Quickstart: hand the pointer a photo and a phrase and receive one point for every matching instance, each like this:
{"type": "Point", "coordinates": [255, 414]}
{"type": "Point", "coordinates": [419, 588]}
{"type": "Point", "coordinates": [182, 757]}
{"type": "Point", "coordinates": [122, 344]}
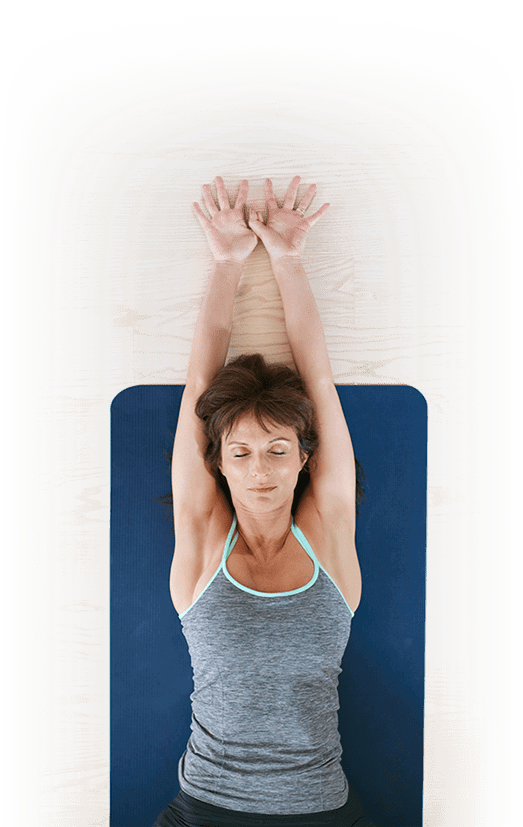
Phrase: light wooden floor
{"type": "Point", "coordinates": [109, 143]}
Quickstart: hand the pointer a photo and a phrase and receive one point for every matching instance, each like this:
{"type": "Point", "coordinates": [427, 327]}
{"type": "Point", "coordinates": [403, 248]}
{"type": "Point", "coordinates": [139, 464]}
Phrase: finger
{"type": "Point", "coordinates": [317, 215]}
{"type": "Point", "coordinates": [256, 224]}
{"type": "Point", "coordinates": [255, 215]}
{"type": "Point", "coordinates": [209, 200]}
{"type": "Point", "coordinates": [290, 198]}
{"type": "Point", "coordinates": [269, 195]}
{"type": "Point", "coordinates": [307, 198]}
{"type": "Point", "coordinates": [242, 195]}
{"type": "Point", "coordinates": [200, 215]}
{"type": "Point", "coordinates": [221, 192]}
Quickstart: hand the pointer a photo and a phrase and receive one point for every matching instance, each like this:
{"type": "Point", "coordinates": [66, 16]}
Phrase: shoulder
{"type": "Point", "coordinates": [330, 532]}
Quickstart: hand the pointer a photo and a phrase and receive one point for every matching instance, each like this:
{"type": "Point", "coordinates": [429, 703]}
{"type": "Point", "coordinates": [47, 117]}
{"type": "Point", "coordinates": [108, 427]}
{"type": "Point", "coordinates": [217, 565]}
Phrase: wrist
{"type": "Point", "coordinates": [279, 256]}
{"type": "Point", "coordinates": [288, 262]}
{"type": "Point", "coordinates": [228, 267]}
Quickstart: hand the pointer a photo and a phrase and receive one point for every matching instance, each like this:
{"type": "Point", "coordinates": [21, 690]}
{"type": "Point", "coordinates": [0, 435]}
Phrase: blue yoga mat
{"type": "Point", "coordinates": [381, 686]}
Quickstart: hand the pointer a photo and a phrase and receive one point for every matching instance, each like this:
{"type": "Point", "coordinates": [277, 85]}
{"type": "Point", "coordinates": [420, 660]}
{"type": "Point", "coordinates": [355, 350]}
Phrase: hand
{"type": "Point", "coordinates": [228, 235]}
{"type": "Point", "coordinates": [286, 229]}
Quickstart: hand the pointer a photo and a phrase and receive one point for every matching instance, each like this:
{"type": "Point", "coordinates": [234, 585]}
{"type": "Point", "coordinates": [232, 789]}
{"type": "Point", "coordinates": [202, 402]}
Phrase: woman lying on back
{"type": "Point", "coordinates": [265, 581]}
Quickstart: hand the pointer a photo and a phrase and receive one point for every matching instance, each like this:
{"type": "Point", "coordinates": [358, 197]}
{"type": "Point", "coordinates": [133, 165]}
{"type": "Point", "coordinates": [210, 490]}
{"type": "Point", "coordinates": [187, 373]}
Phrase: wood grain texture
{"type": "Point", "coordinates": [110, 140]}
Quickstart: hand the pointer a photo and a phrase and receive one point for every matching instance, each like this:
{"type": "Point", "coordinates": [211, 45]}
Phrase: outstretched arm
{"type": "Point", "coordinates": [284, 237]}
{"type": "Point", "coordinates": [333, 473]}
{"type": "Point", "coordinates": [230, 242]}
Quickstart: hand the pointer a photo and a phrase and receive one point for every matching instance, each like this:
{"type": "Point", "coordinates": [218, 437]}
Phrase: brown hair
{"type": "Point", "coordinates": [273, 393]}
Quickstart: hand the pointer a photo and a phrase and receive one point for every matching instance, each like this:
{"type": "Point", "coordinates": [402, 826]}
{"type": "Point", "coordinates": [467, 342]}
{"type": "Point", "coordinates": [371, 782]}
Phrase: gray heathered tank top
{"type": "Point", "coordinates": [265, 702]}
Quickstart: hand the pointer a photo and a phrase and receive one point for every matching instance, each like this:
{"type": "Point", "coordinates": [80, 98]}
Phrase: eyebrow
{"type": "Point", "coordinates": [276, 439]}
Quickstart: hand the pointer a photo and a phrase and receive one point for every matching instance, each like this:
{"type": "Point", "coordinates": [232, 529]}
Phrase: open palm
{"type": "Point", "coordinates": [229, 237]}
{"type": "Point", "coordinates": [286, 229]}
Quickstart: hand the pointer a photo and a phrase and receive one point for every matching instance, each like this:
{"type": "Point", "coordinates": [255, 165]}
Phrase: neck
{"type": "Point", "coordinates": [264, 535]}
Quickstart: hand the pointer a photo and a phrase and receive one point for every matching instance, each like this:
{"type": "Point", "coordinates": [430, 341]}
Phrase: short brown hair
{"type": "Point", "coordinates": [273, 393]}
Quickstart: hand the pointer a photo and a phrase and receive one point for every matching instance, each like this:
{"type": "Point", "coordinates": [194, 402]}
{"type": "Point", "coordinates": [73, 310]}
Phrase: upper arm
{"type": "Point", "coordinates": [194, 487]}
{"type": "Point", "coordinates": [201, 512]}
{"type": "Point", "coordinates": [332, 468]}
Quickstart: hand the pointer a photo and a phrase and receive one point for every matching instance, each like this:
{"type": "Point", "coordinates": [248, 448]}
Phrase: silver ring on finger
{"type": "Point", "coordinates": [300, 212]}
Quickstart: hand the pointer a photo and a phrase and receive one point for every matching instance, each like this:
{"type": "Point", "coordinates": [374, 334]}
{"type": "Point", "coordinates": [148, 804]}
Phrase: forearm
{"type": "Point", "coordinates": [302, 322]}
{"type": "Point", "coordinates": [213, 327]}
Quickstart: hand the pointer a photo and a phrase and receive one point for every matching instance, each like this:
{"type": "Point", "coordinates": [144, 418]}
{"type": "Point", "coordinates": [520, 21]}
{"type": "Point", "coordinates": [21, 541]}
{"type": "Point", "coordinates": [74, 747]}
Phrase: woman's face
{"type": "Point", "coordinates": [261, 466]}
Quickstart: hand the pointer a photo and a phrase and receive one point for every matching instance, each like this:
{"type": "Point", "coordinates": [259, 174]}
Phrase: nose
{"type": "Point", "coordinates": [259, 466]}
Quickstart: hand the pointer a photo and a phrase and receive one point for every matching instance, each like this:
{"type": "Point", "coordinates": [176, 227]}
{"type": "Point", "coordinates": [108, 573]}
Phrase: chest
{"type": "Point", "coordinates": [290, 569]}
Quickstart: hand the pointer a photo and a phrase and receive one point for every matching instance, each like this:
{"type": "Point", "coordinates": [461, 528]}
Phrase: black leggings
{"type": "Point", "coordinates": [184, 811]}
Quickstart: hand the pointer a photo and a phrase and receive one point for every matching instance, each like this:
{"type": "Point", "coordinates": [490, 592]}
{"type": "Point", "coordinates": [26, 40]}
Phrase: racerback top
{"type": "Point", "coordinates": [265, 702]}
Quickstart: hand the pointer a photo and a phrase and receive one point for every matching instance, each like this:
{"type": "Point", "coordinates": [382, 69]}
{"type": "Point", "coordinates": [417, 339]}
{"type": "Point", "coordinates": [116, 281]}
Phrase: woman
{"type": "Point", "coordinates": [265, 600]}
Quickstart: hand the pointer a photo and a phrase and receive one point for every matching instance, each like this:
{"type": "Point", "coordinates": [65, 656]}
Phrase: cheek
{"type": "Point", "coordinates": [229, 470]}
{"type": "Point", "coordinates": [291, 472]}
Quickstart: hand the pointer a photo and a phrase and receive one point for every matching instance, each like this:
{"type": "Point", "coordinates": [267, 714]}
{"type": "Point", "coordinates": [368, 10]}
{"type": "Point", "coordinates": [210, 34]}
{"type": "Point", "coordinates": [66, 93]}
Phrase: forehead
{"type": "Point", "coordinates": [248, 429]}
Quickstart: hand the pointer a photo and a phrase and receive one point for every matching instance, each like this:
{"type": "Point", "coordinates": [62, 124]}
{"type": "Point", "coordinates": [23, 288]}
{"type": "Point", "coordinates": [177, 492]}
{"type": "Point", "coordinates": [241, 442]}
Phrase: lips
{"type": "Point", "coordinates": [263, 490]}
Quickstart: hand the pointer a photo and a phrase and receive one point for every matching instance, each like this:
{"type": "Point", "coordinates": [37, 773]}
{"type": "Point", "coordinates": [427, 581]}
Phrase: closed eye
{"type": "Point", "coordinates": [274, 453]}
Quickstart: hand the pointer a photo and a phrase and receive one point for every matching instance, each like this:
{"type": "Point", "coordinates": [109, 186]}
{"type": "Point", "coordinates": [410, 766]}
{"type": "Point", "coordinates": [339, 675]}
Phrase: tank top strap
{"type": "Point", "coordinates": [304, 543]}
{"type": "Point", "coordinates": [231, 540]}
